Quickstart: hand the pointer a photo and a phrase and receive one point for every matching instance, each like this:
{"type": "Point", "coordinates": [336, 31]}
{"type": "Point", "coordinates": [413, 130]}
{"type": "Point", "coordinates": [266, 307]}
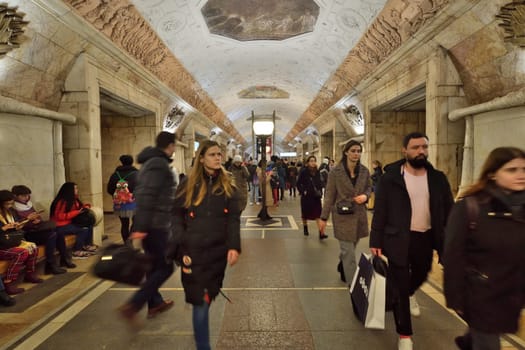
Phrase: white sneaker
{"type": "Point", "coordinates": [414, 306]}
{"type": "Point", "coordinates": [404, 344]}
{"type": "Point", "coordinates": [251, 203]}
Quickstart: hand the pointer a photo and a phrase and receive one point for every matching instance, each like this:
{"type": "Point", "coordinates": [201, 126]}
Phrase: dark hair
{"type": "Point", "coordinates": [6, 196]}
{"type": "Point", "coordinates": [126, 159]}
{"type": "Point", "coordinates": [413, 135]}
{"type": "Point", "coordinates": [20, 190]}
{"type": "Point", "coordinates": [164, 139]}
{"type": "Point", "coordinates": [497, 158]}
{"type": "Point", "coordinates": [66, 193]}
{"type": "Point", "coordinates": [347, 147]}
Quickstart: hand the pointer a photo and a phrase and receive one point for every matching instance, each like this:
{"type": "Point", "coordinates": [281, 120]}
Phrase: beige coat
{"type": "Point", "coordinates": [348, 227]}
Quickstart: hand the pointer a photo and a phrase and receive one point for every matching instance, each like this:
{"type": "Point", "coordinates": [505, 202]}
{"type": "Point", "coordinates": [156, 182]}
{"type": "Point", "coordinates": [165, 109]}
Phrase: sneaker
{"type": "Point", "coordinates": [414, 306]}
{"type": "Point", "coordinates": [404, 344]}
{"type": "Point", "coordinates": [79, 254]}
{"type": "Point", "coordinates": [251, 203]}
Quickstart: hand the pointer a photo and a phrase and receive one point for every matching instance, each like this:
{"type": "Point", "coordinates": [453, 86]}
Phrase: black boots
{"type": "Point", "coordinates": [305, 228]}
{"type": "Point", "coordinates": [66, 262]}
{"type": "Point", "coordinates": [341, 271]}
{"type": "Point", "coordinates": [53, 269]}
{"type": "Point", "coordinates": [322, 236]}
{"type": "Point", "coordinates": [5, 299]}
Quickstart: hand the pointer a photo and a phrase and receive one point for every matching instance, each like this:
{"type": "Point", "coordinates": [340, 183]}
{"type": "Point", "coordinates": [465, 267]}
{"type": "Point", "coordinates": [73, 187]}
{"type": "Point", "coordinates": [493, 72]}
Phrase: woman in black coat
{"type": "Point", "coordinates": [207, 229]}
{"type": "Point", "coordinates": [310, 188]}
{"type": "Point", "coordinates": [484, 278]}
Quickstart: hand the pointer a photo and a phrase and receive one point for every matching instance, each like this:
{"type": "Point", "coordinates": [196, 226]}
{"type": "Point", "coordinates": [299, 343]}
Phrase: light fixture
{"type": "Point", "coordinates": [263, 127]}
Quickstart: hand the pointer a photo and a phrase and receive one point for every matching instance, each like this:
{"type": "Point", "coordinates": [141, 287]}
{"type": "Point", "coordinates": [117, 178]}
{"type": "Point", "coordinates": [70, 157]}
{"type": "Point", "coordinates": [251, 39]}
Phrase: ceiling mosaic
{"type": "Point", "coordinates": [260, 20]}
{"type": "Point", "coordinates": [263, 92]}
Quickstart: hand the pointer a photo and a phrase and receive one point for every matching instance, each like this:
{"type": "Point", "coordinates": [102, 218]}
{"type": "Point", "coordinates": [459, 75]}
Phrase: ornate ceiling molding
{"type": "Point", "coordinates": [120, 21]}
{"type": "Point", "coordinates": [512, 18]}
{"type": "Point", "coordinates": [11, 28]}
{"type": "Point", "coordinates": [394, 25]}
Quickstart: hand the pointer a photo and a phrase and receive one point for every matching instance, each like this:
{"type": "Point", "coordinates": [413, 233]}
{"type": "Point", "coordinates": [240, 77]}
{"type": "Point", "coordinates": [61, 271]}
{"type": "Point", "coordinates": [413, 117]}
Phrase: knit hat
{"type": "Point", "coordinates": [237, 159]}
{"type": "Point", "coordinates": [326, 160]}
{"type": "Point", "coordinates": [126, 159]}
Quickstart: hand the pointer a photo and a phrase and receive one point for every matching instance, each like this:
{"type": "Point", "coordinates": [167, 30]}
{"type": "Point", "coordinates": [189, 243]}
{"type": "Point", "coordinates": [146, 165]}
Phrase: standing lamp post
{"type": "Point", "coordinates": [263, 129]}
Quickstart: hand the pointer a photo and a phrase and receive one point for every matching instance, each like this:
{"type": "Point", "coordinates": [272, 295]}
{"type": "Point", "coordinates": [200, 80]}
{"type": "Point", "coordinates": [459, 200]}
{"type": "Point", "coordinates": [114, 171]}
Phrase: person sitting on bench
{"type": "Point", "coordinates": [41, 232]}
{"type": "Point", "coordinates": [25, 254]}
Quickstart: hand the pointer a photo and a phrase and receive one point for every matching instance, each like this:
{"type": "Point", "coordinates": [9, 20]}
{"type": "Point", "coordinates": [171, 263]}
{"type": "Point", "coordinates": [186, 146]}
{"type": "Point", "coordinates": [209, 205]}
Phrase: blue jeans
{"type": "Point", "coordinates": [201, 329]}
{"type": "Point", "coordinates": [84, 234]}
{"type": "Point", "coordinates": [255, 193]}
{"type": "Point", "coordinates": [155, 246]}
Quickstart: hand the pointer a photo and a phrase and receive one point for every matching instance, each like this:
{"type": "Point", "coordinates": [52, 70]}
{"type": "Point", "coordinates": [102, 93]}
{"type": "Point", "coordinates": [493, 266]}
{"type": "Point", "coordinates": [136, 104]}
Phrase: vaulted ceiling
{"type": "Point", "coordinates": [227, 58]}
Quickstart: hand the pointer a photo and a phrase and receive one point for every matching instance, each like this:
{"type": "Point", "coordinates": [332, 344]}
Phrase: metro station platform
{"type": "Point", "coordinates": [285, 293]}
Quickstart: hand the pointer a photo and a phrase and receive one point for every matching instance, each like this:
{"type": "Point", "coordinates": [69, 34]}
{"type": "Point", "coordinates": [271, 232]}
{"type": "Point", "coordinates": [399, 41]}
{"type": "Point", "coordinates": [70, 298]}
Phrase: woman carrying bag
{"type": "Point", "coordinates": [311, 190]}
{"type": "Point", "coordinates": [348, 189]}
{"type": "Point", "coordinates": [206, 233]}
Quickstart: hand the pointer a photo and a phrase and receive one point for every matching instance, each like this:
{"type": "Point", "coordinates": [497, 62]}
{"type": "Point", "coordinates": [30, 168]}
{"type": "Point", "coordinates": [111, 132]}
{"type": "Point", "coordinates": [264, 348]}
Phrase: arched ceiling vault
{"type": "Point", "coordinates": [229, 57]}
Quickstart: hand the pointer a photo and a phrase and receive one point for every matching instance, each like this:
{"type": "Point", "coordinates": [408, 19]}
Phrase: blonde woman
{"type": "Point", "coordinates": [207, 229]}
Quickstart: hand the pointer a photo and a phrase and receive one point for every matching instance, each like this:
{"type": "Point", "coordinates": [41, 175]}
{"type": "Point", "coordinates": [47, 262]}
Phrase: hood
{"type": "Point", "coordinates": [152, 152]}
{"type": "Point", "coordinates": [126, 168]}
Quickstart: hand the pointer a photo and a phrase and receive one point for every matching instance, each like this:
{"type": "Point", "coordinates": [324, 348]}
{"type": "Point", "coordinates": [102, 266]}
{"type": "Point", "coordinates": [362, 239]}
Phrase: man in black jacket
{"type": "Point", "coordinates": [155, 194]}
{"type": "Point", "coordinates": [411, 208]}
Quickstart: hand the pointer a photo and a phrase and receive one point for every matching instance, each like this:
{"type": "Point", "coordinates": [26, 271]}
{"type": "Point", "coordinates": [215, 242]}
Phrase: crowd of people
{"type": "Point", "coordinates": [196, 225]}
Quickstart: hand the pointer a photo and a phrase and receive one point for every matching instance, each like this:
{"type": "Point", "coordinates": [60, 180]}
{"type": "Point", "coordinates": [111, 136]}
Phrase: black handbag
{"type": "Point", "coordinates": [11, 239]}
{"type": "Point", "coordinates": [122, 263]}
{"type": "Point", "coordinates": [345, 207]}
{"type": "Point", "coordinates": [86, 218]}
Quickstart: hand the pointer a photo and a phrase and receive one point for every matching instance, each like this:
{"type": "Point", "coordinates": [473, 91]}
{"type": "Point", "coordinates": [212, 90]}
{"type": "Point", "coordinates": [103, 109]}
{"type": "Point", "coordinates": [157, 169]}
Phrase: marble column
{"type": "Point", "coordinates": [82, 141]}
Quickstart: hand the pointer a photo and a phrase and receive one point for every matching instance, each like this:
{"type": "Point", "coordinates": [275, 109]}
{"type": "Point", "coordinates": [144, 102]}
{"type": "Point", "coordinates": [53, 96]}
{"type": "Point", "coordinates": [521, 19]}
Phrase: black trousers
{"type": "Point", "coordinates": [407, 279]}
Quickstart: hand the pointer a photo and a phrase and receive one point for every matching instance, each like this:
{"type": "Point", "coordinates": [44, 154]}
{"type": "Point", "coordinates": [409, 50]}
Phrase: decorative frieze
{"type": "Point", "coordinates": [512, 17]}
{"type": "Point", "coordinates": [11, 28]}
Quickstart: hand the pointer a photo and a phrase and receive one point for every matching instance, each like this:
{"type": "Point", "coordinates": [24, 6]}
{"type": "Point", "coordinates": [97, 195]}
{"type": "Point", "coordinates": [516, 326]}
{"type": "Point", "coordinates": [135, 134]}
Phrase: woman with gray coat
{"type": "Point", "coordinates": [347, 190]}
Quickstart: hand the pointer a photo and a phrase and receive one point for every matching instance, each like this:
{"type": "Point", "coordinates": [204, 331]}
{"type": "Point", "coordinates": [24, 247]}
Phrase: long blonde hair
{"type": "Point", "coordinates": [196, 177]}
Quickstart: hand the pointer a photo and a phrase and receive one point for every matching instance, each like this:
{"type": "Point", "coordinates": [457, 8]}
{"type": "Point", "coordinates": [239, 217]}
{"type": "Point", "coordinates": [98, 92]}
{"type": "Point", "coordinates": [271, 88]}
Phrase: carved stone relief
{"type": "Point", "coordinates": [512, 18]}
{"type": "Point", "coordinates": [396, 23]}
{"type": "Point", "coordinates": [11, 28]}
{"type": "Point", "coordinates": [123, 24]}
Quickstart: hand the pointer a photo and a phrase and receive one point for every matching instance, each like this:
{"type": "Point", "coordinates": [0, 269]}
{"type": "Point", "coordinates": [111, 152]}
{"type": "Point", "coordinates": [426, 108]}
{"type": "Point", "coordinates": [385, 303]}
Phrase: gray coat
{"type": "Point", "coordinates": [348, 227]}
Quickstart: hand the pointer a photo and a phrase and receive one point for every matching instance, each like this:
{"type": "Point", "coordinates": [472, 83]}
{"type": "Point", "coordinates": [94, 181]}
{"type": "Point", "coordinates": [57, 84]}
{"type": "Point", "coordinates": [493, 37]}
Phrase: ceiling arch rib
{"type": "Point", "coordinates": [126, 28]}
{"type": "Point", "coordinates": [300, 64]}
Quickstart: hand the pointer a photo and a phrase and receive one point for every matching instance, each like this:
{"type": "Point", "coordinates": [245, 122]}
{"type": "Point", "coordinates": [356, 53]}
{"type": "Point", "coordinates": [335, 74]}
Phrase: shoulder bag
{"type": "Point", "coordinates": [345, 207]}
{"type": "Point", "coordinates": [11, 239]}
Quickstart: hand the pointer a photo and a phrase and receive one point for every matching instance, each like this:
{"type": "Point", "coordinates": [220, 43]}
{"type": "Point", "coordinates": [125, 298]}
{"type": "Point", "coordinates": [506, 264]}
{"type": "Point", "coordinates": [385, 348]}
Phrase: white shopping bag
{"type": "Point", "coordinates": [368, 294]}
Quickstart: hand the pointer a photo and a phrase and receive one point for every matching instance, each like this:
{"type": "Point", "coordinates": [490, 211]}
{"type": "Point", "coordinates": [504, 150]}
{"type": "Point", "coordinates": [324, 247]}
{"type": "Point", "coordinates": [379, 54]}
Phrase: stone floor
{"type": "Point", "coordinates": [285, 292]}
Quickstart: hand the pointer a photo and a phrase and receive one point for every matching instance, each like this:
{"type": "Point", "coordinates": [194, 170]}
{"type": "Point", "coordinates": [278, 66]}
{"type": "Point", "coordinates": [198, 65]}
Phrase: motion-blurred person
{"type": "Point", "coordinates": [484, 278]}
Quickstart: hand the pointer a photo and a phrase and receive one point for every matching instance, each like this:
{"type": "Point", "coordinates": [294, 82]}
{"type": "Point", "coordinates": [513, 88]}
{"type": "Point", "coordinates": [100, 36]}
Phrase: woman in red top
{"type": "Point", "coordinates": [64, 208]}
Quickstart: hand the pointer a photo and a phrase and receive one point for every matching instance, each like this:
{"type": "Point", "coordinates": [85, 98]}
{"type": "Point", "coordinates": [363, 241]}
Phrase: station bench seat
{"type": "Point", "coordinates": [70, 242]}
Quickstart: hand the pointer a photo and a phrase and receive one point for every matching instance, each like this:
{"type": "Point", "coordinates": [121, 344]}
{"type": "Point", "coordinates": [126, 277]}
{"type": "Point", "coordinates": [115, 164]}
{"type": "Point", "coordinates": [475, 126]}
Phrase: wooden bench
{"type": "Point", "coordinates": [70, 242]}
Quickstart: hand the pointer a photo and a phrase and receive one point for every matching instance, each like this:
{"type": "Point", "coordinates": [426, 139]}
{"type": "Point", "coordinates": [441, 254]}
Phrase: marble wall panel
{"type": "Point", "coordinates": [495, 129]}
{"type": "Point", "coordinates": [27, 155]}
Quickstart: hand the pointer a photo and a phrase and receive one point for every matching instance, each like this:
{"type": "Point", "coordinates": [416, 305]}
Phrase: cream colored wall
{"type": "Point", "coordinates": [386, 130]}
{"type": "Point", "coordinates": [27, 156]}
{"type": "Point", "coordinates": [123, 135]}
{"type": "Point", "coordinates": [504, 127]}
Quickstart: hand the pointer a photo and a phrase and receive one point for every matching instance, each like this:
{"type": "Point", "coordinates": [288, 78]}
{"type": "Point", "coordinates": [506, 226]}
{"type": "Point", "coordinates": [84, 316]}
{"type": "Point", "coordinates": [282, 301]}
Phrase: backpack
{"type": "Point", "coordinates": [122, 195]}
{"type": "Point", "coordinates": [323, 173]}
